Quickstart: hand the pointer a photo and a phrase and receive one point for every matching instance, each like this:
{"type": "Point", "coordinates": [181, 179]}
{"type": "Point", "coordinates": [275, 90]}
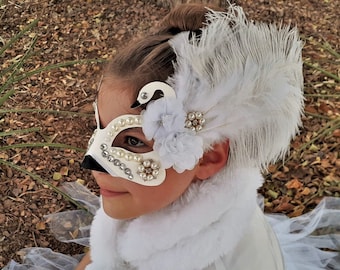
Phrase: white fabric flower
{"type": "Point", "coordinates": [163, 116]}
{"type": "Point", "coordinates": [180, 150]}
{"type": "Point", "coordinates": [177, 146]}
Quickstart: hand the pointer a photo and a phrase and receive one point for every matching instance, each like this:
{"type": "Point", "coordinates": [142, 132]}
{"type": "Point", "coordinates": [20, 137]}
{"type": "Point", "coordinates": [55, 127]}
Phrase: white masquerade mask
{"type": "Point", "coordinates": [145, 168]}
{"type": "Point", "coordinates": [141, 168]}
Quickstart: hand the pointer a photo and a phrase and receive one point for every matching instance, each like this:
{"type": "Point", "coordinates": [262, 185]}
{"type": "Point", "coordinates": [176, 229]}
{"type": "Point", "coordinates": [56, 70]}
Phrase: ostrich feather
{"type": "Point", "coordinates": [246, 78]}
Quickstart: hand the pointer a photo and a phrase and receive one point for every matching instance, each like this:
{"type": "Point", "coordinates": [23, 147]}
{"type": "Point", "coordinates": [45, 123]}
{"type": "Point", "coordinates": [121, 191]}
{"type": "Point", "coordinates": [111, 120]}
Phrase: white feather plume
{"type": "Point", "coordinates": [247, 79]}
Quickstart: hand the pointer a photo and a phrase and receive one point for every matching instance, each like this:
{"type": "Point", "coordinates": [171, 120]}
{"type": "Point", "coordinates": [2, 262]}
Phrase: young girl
{"type": "Point", "coordinates": [187, 118]}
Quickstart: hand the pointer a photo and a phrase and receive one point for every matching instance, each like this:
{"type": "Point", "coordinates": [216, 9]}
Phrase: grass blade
{"type": "Point", "coordinates": [46, 111]}
{"type": "Point", "coordinates": [43, 144]}
{"type": "Point", "coordinates": [19, 131]}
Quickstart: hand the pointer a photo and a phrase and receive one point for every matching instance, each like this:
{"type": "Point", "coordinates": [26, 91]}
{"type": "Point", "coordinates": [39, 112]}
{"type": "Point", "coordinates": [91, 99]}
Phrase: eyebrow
{"type": "Point", "coordinates": [134, 130]}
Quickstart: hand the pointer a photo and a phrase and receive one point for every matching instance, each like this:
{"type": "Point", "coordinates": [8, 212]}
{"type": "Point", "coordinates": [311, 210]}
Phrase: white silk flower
{"type": "Point", "coordinates": [177, 146]}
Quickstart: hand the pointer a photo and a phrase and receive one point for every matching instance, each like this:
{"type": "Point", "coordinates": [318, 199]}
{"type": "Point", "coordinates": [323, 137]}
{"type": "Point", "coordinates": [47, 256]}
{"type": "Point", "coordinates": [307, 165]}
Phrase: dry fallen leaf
{"type": "Point", "coordinates": [80, 181]}
{"type": "Point", "coordinates": [306, 191]}
{"type": "Point", "coordinates": [294, 184]}
{"type": "Point", "coordinates": [63, 171]}
{"type": "Point", "coordinates": [297, 211]}
{"type": "Point", "coordinates": [40, 226]}
{"type": "Point", "coordinates": [57, 176]}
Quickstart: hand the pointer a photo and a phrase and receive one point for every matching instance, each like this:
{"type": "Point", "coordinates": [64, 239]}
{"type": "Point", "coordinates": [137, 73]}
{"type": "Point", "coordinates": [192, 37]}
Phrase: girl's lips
{"type": "Point", "coordinates": [110, 193]}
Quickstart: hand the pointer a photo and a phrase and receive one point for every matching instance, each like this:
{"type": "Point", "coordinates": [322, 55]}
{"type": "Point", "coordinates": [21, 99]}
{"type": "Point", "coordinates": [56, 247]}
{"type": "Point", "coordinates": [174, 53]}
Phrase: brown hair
{"type": "Point", "coordinates": [151, 58]}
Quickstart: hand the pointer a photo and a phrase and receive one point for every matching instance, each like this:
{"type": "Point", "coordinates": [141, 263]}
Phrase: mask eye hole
{"type": "Point", "coordinates": [133, 140]}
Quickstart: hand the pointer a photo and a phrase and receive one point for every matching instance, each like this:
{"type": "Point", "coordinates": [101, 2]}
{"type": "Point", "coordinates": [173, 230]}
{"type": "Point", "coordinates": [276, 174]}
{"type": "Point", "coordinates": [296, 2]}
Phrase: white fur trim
{"type": "Point", "coordinates": [209, 220]}
{"type": "Point", "coordinates": [102, 243]}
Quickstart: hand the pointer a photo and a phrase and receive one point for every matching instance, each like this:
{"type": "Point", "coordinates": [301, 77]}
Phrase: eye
{"type": "Point", "coordinates": [134, 142]}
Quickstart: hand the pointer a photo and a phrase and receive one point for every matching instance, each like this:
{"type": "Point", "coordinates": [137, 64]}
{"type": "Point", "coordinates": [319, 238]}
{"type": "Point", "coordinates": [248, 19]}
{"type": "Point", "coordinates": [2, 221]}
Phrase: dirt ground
{"type": "Point", "coordinates": [73, 30]}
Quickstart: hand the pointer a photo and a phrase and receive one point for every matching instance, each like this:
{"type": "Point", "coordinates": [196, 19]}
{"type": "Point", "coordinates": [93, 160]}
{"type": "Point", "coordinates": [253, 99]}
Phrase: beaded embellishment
{"type": "Point", "coordinates": [195, 121]}
{"type": "Point", "coordinates": [148, 170]}
{"type": "Point", "coordinates": [112, 156]}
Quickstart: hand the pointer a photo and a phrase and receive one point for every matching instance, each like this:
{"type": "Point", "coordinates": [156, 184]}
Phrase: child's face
{"type": "Point", "coordinates": [123, 199]}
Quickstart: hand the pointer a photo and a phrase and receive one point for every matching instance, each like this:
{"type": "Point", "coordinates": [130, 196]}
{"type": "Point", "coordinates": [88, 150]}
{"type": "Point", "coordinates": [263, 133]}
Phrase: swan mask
{"type": "Point", "coordinates": [141, 168]}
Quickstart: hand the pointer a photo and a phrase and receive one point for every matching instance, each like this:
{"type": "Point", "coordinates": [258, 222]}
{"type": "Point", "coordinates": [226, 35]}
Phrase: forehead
{"type": "Point", "coordinates": [114, 99]}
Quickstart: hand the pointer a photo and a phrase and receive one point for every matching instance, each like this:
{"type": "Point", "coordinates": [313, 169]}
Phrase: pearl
{"type": "Point", "coordinates": [154, 165]}
{"type": "Point", "coordinates": [137, 158]}
{"type": "Point", "coordinates": [105, 153]}
{"type": "Point", "coordinates": [146, 163]}
{"type": "Point", "coordinates": [202, 121]}
{"type": "Point", "coordinates": [188, 123]}
{"type": "Point", "coordinates": [149, 177]}
{"type": "Point", "coordinates": [122, 166]}
{"type": "Point", "coordinates": [142, 175]}
{"type": "Point", "coordinates": [141, 168]}
{"type": "Point", "coordinates": [110, 158]}
{"type": "Point", "coordinates": [115, 128]}
{"type": "Point", "coordinates": [155, 173]}
{"type": "Point", "coordinates": [129, 121]}
{"type": "Point", "coordinates": [128, 156]}
{"type": "Point", "coordinates": [198, 115]}
{"type": "Point", "coordinates": [130, 176]}
{"type": "Point", "coordinates": [198, 128]}
{"type": "Point", "coordinates": [138, 120]}
{"type": "Point", "coordinates": [144, 95]}
{"type": "Point", "coordinates": [191, 116]}
{"type": "Point", "coordinates": [103, 146]}
{"type": "Point", "coordinates": [127, 171]}
{"type": "Point", "coordinates": [120, 153]}
{"type": "Point", "coordinates": [121, 122]}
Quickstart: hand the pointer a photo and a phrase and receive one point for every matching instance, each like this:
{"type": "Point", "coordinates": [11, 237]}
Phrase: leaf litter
{"type": "Point", "coordinates": [69, 30]}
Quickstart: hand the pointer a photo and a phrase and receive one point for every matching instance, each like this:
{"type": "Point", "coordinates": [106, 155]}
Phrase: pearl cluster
{"type": "Point", "coordinates": [195, 121]}
{"type": "Point", "coordinates": [110, 155]}
{"type": "Point", "coordinates": [148, 170]}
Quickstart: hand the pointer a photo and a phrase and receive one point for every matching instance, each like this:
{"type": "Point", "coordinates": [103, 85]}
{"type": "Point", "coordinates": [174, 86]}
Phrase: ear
{"type": "Point", "coordinates": [213, 161]}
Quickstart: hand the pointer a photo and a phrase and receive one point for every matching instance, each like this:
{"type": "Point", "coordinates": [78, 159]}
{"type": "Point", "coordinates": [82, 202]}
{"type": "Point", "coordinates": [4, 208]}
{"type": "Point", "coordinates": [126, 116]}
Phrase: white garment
{"type": "Point", "coordinates": [258, 243]}
{"type": "Point", "coordinates": [216, 223]}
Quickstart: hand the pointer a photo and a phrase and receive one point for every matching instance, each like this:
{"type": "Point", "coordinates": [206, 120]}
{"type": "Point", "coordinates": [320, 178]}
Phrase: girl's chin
{"type": "Point", "coordinates": [115, 209]}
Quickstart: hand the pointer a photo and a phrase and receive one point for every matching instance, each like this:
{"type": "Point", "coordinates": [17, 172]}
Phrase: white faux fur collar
{"type": "Point", "coordinates": [205, 223]}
